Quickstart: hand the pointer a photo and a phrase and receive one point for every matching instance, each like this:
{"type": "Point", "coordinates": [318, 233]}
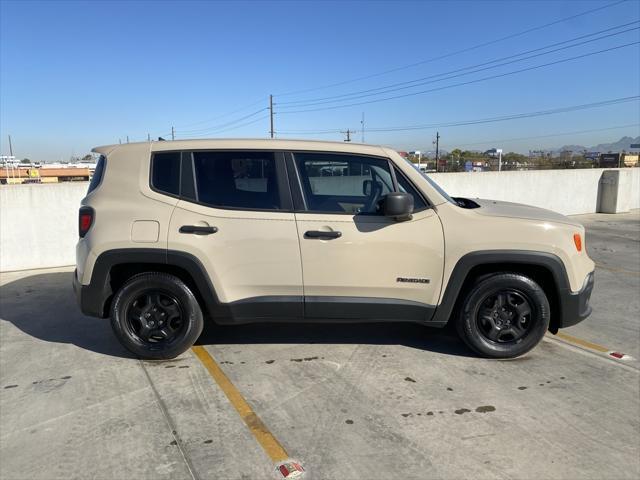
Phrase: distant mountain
{"type": "Point", "coordinates": [622, 144]}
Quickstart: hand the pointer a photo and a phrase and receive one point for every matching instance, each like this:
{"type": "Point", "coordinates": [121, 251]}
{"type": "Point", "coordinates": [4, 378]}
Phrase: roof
{"type": "Point", "coordinates": [249, 144]}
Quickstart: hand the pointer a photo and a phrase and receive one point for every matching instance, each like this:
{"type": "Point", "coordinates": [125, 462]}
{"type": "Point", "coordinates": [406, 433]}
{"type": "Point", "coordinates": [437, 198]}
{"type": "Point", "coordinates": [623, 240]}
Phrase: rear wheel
{"type": "Point", "coordinates": [504, 316]}
{"type": "Point", "coordinates": [156, 316]}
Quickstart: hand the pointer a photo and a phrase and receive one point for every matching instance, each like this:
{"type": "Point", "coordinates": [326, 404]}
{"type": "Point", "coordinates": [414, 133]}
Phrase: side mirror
{"type": "Point", "coordinates": [397, 205]}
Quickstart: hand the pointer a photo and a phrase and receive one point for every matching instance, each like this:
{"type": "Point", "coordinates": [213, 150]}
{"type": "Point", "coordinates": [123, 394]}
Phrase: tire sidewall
{"type": "Point", "coordinates": [540, 316]}
{"type": "Point", "coordinates": [192, 315]}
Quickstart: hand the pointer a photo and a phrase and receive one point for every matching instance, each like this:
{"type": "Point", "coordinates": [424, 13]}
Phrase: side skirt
{"type": "Point", "coordinates": [323, 309]}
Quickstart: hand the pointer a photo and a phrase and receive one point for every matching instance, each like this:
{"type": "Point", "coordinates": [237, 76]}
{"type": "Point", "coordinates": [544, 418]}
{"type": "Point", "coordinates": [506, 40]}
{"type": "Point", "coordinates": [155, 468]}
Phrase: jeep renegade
{"type": "Point", "coordinates": [245, 231]}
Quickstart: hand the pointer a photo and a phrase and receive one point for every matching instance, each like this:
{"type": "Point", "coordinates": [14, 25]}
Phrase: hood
{"type": "Point", "coordinates": [496, 208]}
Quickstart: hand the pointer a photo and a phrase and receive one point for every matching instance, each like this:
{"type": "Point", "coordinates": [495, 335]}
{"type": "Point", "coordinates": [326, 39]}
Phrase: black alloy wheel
{"type": "Point", "coordinates": [505, 316]}
{"type": "Point", "coordinates": [155, 316]}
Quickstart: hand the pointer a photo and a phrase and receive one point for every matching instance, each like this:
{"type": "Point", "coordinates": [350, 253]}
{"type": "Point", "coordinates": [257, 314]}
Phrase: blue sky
{"type": "Point", "coordinates": [78, 74]}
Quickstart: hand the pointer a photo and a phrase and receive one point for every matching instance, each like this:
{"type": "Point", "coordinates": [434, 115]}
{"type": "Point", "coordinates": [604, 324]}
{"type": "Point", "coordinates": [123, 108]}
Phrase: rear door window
{"type": "Point", "coordinates": [243, 180]}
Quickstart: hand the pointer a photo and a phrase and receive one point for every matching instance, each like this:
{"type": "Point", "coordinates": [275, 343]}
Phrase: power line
{"type": "Point", "coordinates": [459, 123]}
{"type": "Point", "coordinates": [230, 128]}
{"type": "Point", "coordinates": [488, 142]}
{"type": "Point", "coordinates": [469, 82]}
{"type": "Point", "coordinates": [246, 107]}
{"type": "Point", "coordinates": [223, 125]}
{"type": "Point", "coordinates": [310, 132]}
{"type": "Point", "coordinates": [421, 81]}
{"type": "Point", "coordinates": [456, 52]}
{"type": "Point", "coordinates": [510, 117]}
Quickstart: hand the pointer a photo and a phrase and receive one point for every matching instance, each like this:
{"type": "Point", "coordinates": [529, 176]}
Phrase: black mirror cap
{"type": "Point", "coordinates": [398, 205]}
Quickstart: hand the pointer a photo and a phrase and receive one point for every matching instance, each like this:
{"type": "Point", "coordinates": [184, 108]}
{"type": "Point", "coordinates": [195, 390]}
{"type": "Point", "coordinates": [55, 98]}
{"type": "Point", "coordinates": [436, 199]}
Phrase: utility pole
{"type": "Point", "coordinates": [271, 114]}
{"type": "Point", "coordinates": [10, 146]}
{"type": "Point", "coordinates": [348, 134]}
{"type": "Point", "coordinates": [127, 138]}
{"type": "Point", "coordinates": [173, 134]}
{"type": "Point", "coordinates": [362, 123]}
{"type": "Point", "coordinates": [437, 142]}
{"type": "Point", "coordinates": [148, 137]}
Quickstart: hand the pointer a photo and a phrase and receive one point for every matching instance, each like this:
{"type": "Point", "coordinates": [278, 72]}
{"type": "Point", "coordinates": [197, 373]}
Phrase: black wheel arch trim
{"type": "Point", "coordinates": [93, 298]}
{"type": "Point", "coordinates": [571, 306]}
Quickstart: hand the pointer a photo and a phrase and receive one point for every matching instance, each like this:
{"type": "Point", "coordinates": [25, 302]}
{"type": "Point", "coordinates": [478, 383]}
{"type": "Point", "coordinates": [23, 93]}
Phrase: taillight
{"type": "Point", "coordinates": [577, 239]}
{"type": "Point", "coordinates": [85, 220]}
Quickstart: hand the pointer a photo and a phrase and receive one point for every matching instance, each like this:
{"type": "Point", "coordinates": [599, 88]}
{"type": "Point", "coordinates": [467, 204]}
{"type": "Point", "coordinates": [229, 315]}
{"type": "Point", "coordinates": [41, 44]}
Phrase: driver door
{"type": "Point", "coordinates": [357, 263]}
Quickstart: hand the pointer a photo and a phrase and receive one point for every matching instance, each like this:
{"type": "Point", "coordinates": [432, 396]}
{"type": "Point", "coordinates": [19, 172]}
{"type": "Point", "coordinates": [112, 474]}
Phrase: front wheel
{"type": "Point", "coordinates": [504, 316]}
{"type": "Point", "coordinates": [156, 316]}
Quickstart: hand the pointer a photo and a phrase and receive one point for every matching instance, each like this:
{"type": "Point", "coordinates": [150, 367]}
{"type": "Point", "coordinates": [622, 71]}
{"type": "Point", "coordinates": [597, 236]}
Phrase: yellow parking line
{"type": "Point", "coordinates": [582, 343]}
{"type": "Point", "coordinates": [265, 438]}
{"type": "Point", "coordinates": [618, 270]}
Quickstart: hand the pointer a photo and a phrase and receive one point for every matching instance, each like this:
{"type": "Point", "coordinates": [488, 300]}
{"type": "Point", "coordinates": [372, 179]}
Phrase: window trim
{"type": "Point", "coordinates": [187, 174]}
{"type": "Point", "coordinates": [295, 184]}
{"type": "Point", "coordinates": [426, 201]}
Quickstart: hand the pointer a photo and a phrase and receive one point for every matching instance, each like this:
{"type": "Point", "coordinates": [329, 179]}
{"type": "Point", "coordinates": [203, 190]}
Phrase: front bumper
{"type": "Point", "coordinates": [575, 306]}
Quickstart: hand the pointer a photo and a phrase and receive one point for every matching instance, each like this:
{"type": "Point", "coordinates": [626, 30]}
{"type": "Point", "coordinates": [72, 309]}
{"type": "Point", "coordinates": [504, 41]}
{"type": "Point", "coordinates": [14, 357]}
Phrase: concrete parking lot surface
{"type": "Point", "coordinates": [346, 401]}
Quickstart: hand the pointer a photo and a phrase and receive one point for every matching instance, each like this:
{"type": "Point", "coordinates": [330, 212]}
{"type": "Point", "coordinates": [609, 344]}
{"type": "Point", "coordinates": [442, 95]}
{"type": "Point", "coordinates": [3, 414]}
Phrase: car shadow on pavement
{"type": "Point", "coordinates": [439, 340]}
{"type": "Point", "coordinates": [44, 307]}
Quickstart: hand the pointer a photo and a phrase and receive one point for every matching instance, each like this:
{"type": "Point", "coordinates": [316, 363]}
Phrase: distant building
{"type": "Point", "coordinates": [609, 160]}
{"type": "Point", "coordinates": [492, 152]}
{"type": "Point", "coordinates": [631, 159]}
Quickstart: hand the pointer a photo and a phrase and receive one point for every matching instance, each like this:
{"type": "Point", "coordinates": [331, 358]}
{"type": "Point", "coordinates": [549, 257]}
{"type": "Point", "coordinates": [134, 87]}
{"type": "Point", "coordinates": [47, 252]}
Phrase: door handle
{"type": "Point", "coordinates": [198, 229]}
{"type": "Point", "coordinates": [322, 235]}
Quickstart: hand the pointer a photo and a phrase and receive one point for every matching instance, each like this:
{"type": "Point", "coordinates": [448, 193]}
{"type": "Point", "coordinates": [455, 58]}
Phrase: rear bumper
{"type": "Point", "coordinates": [91, 300]}
{"type": "Point", "coordinates": [575, 306]}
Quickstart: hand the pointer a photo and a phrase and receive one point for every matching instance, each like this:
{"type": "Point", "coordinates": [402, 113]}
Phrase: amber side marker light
{"type": "Point", "coordinates": [577, 239]}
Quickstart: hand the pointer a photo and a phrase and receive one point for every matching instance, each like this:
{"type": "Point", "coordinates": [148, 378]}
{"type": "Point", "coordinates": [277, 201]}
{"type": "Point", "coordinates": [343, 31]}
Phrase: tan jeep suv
{"type": "Point", "coordinates": [300, 231]}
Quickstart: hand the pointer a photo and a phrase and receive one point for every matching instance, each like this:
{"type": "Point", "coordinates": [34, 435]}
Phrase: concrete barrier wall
{"type": "Point", "coordinates": [569, 192]}
{"type": "Point", "coordinates": [38, 223]}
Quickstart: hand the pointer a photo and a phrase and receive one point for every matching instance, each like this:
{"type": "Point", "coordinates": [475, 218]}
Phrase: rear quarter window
{"type": "Point", "coordinates": [165, 172]}
{"type": "Point", "coordinates": [97, 174]}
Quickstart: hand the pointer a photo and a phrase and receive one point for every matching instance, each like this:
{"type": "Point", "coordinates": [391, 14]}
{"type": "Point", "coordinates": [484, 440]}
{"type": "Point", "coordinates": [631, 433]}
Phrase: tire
{"type": "Point", "coordinates": [493, 320]}
{"type": "Point", "coordinates": [156, 316]}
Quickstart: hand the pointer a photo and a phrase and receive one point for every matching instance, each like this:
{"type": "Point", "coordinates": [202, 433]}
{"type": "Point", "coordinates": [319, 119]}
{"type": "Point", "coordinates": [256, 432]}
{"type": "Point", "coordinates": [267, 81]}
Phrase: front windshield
{"type": "Point", "coordinates": [433, 183]}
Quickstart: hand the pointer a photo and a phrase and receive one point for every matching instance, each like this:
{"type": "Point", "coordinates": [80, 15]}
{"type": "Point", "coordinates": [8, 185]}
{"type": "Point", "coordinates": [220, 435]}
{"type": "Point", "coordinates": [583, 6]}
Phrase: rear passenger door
{"type": "Point", "coordinates": [356, 262]}
{"type": "Point", "coordinates": [234, 215]}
